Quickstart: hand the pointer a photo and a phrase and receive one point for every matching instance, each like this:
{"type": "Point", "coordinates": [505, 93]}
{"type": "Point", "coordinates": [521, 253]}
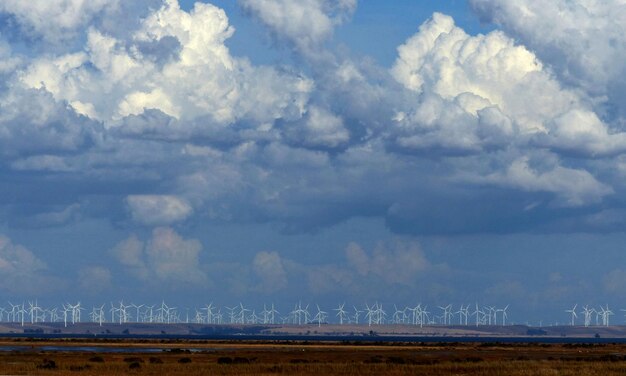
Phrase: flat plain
{"type": "Point", "coordinates": [23, 356]}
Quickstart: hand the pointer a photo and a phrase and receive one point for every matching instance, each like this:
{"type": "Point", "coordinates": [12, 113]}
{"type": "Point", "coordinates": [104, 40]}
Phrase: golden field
{"type": "Point", "coordinates": [266, 358]}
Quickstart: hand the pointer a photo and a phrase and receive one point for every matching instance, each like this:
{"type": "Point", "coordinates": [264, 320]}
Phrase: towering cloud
{"type": "Point", "coordinates": [176, 62]}
{"type": "Point", "coordinates": [493, 92]}
{"type": "Point", "coordinates": [581, 40]}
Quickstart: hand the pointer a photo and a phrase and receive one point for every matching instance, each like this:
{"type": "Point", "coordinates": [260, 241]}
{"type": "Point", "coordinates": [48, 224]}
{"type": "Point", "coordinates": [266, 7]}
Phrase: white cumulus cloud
{"type": "Point", "coordinates": [583, 40]}
{"type": "Point", "coordinates": [55, 20]}
{"type": "Point", "coordinates": [268, 266]}
{"type": "Point", "coordinates": [305, 23]}
{"type": "Point", "coordinates": [158, 209]}
{"type": "Point", "coordinates": [165, 257]}
{"type": "Point", "coordinates": [113, 78]}
{"type": "Point", "coordinates": [20, 269]}
{"type": "Point", "coordinates": [401, 264]}
{"type": "Point", "coordinates": [574, 187]}
{"type": "Point", "coordinates": [491, 89]}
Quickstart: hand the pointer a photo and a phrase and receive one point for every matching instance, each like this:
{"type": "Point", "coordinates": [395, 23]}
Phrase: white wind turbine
{"type": "Point", "coordinates": [231, 314]}
{"type": "Point", "coordinates": [209, 313]}
{"type": "Point", "coordinates": [272, 314]}
{"type": "Point", "coordinates": [444, 314]}
{"type": "Point", "coordinates": [504, 315]}
{"type": "Point", "coordinates": [357, 314]}
{"type": "Point", "coordinates": [463, 314]}
{"type": "Point", "coordinates": [415, 314]}
{"type": "Point", "coordinates": [265, 313]}
{"type": "Point", "coordinates": [101, 315]}
{"type": "Point", "coordinates": [605, 315]}
{"type": "Point", "coordinates": [479, 315]}
{"type": "Point", "coordinates": [241, 317]}
{"type": "Point", "coordinates": [398, 315]}
{"type": "Point", "coordinates": [198, 318]}
{"type": "Point", "coordinates": [341, 313]}
{"type": "Point", "coordinates": [425, 318]}
{"type": "Point", "coordinates": [253, 318]}
{"type": "Point", "coordinates": [491, 315]}
{"type": "Point", "coordinates": [66, 309]}
{"type": "Point", "coordinates": [138, 308]}
{"type": "Point", "coordinates": [75, 312]}
{"type": "Point", "coordinates": [573, 312]}
{"type": "Point", "coordinates": [369, 315]}
{"type": "Point", "coordinates": [15, 308]}
{"type": "Point", "coordinates": [587, 315]}
{"type": "Point", "coordinates": [381, 314]}
{"type": "Point", "coordinates": [320, 316]}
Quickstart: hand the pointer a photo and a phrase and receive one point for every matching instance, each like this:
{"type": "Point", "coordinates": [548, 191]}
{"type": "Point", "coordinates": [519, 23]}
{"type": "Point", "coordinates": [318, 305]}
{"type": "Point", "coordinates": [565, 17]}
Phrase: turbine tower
{"type": "Point", "coordinates": [573, 312]}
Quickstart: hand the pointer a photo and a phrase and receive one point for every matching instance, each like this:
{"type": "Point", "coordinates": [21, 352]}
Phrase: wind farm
{"type": "Point", "coordinates": [301, 320]}
{"type": "Point", "coordinates": [303, 339]}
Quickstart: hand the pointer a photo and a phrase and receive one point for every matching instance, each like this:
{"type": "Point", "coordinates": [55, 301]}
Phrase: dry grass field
{"type": "Point", "coordinates": [232, 358]}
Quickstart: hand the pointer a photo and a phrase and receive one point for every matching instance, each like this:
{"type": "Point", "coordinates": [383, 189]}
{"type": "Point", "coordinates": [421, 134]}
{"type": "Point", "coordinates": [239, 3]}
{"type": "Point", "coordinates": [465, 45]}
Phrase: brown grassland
{"type": "Point", "coordinates": [266, 358]}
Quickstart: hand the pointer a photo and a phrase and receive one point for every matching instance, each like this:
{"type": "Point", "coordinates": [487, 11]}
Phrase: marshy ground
{"type": "Point", "coordinates": [84, 357]}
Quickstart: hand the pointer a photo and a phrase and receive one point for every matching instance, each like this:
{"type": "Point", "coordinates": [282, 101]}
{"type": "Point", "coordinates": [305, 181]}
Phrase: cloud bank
{"type": "Point", "coordinates": [214, 136]}
{"type": "Point", "coordinates": [155, 125]}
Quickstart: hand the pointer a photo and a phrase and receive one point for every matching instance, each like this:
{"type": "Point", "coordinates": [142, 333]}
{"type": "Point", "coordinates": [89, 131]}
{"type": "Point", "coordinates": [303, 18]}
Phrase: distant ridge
{"type": "Point", "coordinates": [329, 330]}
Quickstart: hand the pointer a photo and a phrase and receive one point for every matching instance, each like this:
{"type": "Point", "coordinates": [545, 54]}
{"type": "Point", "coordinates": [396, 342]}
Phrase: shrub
{"type": "Point", "coordinates": [47, 364]}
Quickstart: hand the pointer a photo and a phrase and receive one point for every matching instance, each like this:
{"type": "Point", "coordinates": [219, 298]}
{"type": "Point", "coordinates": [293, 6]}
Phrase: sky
{"type": "Point", "coordinates": [442, 152]}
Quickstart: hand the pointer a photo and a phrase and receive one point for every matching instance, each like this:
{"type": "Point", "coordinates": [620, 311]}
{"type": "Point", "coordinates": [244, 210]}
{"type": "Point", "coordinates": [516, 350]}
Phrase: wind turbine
{"type": "Point", "coordinates": [478, 314]}
{"type": "Point", "coordinates": [341, 313]}
{"type": "Point", "coordinates": [138, 307]}
{"type": "Point", "coordinates": [605, 315]}
{"type": "Point", "coordinates": [357, 313]}
{"type": "Point", "coordinates": [272, 314]}
{"type": "Point", "coordinates": [587, 314]}
{"type": "Point", "coordinates": [320, 316]}
{"type": "Point", "coordinates": [209, 313]}
{"type": "Point", "coordinates": [504, 315]}
{"type": "Point", "coordinates": [398, 315]}
{"type": "Point", "coordinates": [573, 312]}
{"type": "Point", "coordinates": [425, 318]}
{"type": "Point", "coordinates": [369, 315]}
{"type": "Point", "coordinates": [66, 309]}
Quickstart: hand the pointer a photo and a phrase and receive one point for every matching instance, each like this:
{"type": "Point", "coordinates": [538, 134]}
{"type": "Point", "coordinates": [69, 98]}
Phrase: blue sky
{"type": "Point", "coordinates": [327, 151]}
{"type": "Point", "coordinates": [375, 30]}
